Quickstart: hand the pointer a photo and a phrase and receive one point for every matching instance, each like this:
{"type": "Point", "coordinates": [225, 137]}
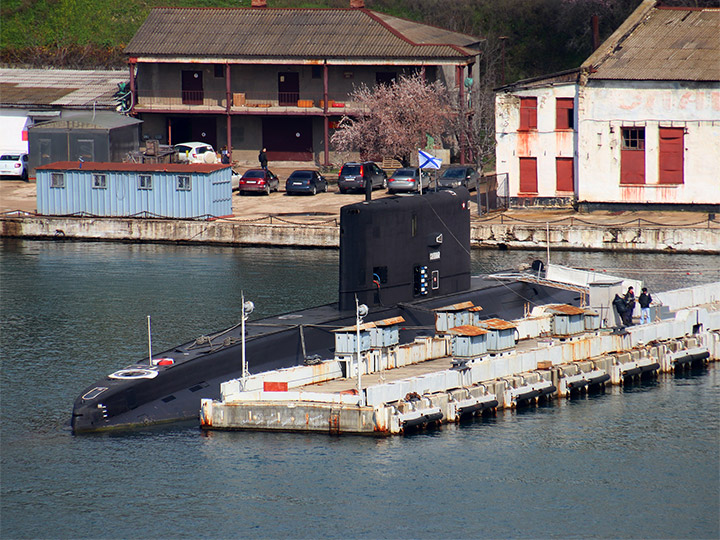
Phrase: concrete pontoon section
{"type": "Point", "coordinates": [432, 380]}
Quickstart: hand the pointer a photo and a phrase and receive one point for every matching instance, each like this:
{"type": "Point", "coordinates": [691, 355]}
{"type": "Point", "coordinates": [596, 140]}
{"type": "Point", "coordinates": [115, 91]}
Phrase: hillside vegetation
{"type": "Point", "coordinates": [543, 36]}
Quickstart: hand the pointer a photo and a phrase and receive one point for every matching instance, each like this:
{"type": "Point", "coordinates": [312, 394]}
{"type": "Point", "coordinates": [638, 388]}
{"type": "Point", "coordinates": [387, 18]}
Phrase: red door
{"type": "Point", "coordinates": [528, 175]}
{"type": "Point", "coordinates": [288, 88]}
{"type": "Point", "coordinates": [632, 156]}
{"type": "Point", "coordinates": [672, 147]}
{"type": "Point", "coordinates": [565, 175]}
{"type": "Point", "coordinates": [192, 88]}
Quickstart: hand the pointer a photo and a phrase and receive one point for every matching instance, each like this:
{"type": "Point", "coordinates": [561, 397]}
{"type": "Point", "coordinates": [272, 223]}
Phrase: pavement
{"type": "Point", "coordinates": [16, 195]}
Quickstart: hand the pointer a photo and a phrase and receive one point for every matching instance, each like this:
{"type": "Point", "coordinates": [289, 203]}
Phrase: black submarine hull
{"type": "Point", "coordinates": [383, 244]}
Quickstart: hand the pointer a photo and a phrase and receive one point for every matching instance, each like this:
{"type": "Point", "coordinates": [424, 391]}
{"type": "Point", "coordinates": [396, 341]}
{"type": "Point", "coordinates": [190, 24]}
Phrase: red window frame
{"type": "Point", "coordinates": [528, 114]}
{"type": "Point", "coordinates": [564, 113]}
{"type": "Point", "coordinates": [672, 156]}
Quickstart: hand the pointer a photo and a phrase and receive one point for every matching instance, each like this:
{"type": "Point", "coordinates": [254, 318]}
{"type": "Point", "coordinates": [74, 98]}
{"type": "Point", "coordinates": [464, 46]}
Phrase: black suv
{"type": "Point", "coordinates": [354, 175]}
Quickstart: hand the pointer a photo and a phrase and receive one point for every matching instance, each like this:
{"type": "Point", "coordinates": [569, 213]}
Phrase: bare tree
{"type": "Point", "coordinates": [395, 119]}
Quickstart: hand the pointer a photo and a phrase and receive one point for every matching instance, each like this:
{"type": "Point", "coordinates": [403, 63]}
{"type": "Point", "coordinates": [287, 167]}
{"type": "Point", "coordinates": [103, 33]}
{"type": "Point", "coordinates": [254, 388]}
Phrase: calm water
{"type": "Point", "coordinates": [636, 462]}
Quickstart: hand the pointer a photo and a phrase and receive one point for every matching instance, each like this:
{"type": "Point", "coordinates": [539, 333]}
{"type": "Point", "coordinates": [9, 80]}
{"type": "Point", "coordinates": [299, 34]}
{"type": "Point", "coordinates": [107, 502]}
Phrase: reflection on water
{"type": "Point", "coordinates": [638, 461]}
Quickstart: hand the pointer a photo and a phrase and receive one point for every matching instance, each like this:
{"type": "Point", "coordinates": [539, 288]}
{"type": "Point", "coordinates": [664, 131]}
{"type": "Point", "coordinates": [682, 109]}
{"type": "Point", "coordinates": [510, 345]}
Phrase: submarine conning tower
{"type": "Point", "coordinates": [404, 248]}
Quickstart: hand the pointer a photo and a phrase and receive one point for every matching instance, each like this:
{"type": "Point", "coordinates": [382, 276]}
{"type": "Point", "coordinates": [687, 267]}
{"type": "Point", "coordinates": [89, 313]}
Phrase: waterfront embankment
{"type": "Point", "coordinates": [284, 221]}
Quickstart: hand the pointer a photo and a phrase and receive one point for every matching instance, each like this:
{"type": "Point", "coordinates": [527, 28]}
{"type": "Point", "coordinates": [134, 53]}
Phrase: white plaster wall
{"type": "Point", "coordinates": [545, 144]}
{"type": "Point", "coordinates": [605, 107]}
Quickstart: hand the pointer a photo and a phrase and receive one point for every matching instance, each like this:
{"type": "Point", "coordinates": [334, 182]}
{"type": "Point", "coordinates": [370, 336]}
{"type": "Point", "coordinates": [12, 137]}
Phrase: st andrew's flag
{"type": "Point", "coordinates": [427, 161]}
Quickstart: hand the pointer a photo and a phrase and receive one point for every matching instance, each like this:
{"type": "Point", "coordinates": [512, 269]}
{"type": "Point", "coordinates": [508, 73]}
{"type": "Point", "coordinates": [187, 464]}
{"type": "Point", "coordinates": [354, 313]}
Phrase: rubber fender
{"type": "Point", "coordinates": [650, 367]}
{"type": "Point", "coordinates": [576, 385]}
{"type": "Point", "coordinates": [548, 390]}
{"type": "Point", "coordinates": [532, 394]}
{"type": "Point", "coordinates": [632, 372]}
{"type": "Point", "coordinates": [600, 379]}
{"type": "Point", "coordinates": [478, 407]}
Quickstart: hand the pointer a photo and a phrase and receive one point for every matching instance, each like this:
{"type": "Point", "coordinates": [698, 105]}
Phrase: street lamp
{"type": "Point", "coordinates": [361, 310]}
{"type": "Point", "coordinates": [247, 309]}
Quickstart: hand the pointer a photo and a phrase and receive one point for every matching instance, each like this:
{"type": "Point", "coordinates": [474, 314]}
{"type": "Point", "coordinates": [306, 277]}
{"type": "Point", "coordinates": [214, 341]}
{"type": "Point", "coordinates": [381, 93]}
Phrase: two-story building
{"type": "Point", "coordinates": [249, 78]}
{"type": "Point", "coordinates": [638, 122]}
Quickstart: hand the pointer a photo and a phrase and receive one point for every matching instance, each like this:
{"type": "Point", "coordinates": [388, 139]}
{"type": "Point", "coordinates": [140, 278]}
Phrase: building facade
{"type": "Point", "coordinates": [638, 122]}
{"type": "Point", "coordinates": [252, 78]}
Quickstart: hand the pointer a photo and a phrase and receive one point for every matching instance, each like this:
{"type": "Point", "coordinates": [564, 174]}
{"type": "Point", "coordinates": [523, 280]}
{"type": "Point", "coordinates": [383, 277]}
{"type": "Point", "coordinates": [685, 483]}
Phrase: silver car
{"type": "Point", "coordinates": [407, 180]}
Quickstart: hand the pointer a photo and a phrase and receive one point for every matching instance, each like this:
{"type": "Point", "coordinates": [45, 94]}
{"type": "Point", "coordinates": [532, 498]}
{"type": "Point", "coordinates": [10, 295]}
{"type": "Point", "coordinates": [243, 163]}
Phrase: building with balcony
{"type": "Point", "coordinates": [249, 78]}
{"type": "Point", "coordinates": [637, 123]}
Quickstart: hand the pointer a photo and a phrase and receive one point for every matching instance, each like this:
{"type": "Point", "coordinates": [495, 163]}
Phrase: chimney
{"type": "Point", "coordinates": [595, 32]}
{"type": "Point", "coordinates": [259, 3]}
{"type": "Point", "coordinates": [357, 4]}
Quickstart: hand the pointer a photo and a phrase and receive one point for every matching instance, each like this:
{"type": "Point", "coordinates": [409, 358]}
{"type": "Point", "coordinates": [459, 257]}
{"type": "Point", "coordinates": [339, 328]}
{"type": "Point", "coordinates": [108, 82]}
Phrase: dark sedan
{"type": "Point", "coordinates": [305, 181]}
{"type": "Point", "coordinates": [259, 181]}
{"type": "Point", "coordinates": [454, 177]}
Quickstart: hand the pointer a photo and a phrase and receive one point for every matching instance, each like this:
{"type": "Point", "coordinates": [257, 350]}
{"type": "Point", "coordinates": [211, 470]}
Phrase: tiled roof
{"type": "Point", "coordinates": [59, 87]}
{"type": "Point", "coordinates": [676, 44]}
{"type": "Point", "coordinates": [292, 33]}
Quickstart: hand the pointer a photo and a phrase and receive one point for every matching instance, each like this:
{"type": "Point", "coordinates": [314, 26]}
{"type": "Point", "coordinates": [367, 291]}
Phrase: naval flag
{"type": "Point", "coordinates": [427, 161]}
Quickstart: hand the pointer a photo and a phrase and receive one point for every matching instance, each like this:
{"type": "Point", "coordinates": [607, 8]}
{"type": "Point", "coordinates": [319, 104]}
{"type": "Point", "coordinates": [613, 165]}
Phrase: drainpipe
{"type": "Point", "coordinates": [228, 107]}
{"type": "Point", "coordinates": [595, 22]}
{"type": "Point", "coordinates": [326, 119]}
{"type": "Point", "coordinates": [460, 80]}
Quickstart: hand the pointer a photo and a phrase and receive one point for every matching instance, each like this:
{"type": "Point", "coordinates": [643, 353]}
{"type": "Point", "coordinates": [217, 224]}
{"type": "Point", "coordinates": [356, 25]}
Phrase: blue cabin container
{"type": "Point", "coordinates": [448, 317]}
{"type": "Point", "coordinates": [567, 320]}
{"type": "Point", "coordinates": [501, 334]}
{"type": "Point", "coordinates": [468, 341]}
{"type": "Point", "coordinates": [167, 190]}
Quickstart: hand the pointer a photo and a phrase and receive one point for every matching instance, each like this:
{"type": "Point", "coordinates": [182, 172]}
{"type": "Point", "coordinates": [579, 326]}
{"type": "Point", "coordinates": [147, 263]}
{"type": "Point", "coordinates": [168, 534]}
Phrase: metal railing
{"type": "Point", "coordinates": [216, 99]}
{"type": "Point", "coordinates": [492, 193]}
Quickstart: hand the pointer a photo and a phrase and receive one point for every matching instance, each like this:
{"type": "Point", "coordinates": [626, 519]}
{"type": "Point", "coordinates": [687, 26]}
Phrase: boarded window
{"type": "Point", "coordinates": [145, 182]}
{"type": "Point", "coordinates": [183, 183]}
{"type": "Point", "coordinates": [528, 113]}
{"type": "Point", "coordinates": [528, 175]}
{"type": "Point", "coordinates": [99, 181]}
{"type": "Point", "coordinates": [564, 168]}
{"type": "Point", "coordinates": [564, 113]}
{"type": "Point", "coordinates": [672, 149]}
{"type": "Point", "coordinates": [632, 156]}
{"type": "Point", "coordinates": [57, 180]}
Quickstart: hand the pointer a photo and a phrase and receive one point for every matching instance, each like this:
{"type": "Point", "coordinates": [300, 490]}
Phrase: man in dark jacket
{"type": "Point", "coordinates": [619, 305]}
{"type": "Point", "coordinates": [629, 306]}
{"type": "Point", "coordinates": [645, 299]}
{"type": "Point", "coordinates": [262, 158]}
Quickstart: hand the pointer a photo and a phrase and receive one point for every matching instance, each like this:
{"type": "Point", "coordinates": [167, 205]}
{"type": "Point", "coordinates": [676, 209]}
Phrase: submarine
{"type": "Point", "coordinates": [404, 255]}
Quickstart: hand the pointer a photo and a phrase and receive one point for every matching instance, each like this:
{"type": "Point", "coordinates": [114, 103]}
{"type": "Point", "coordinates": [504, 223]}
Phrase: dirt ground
{"type": "Point", "coordinates": [20, 196]}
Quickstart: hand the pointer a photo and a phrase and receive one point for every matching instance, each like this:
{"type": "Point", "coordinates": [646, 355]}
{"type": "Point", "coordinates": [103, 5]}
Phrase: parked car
{"type": "Point", "coordinates": [305, 181]}
{"type": "Point", "coordinates": [453, 177]}
{"type": "Point", "coordinates": [353, 176]}
{"type": "Point", "coordinates": [14, 164]}
{"type": "Point", "coordinates": [407, 180]}
{"type": "Point", "coordinates": [195, 152]}
{"type": "Point", "coordinates": [259, 181]}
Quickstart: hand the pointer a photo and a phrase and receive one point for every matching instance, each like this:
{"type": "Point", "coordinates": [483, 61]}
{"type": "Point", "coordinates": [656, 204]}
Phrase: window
{"type": "Point", "coordinates": [183, 183]}
{"type": "Point", "coordinates": [145, 182]}
{"type": "Point", "coordinates": [316, 72]}
{"type": "Point", "coordinates": [564, 113]}
{"type": "Point", "coordinates": [57, 180]}
{"type": "Point", "coordinates": [632, 156]}
{"type": "Point", "coordinates": [99, 181]}
{"type": "Point", "coordinates": [219, 71]}
{"type": "Point", "coordinates": [528, 175]}
{"type": "Point", "coordinates": [564, 168]}
{"type": "Point", "coordinates": [672, 150]}
{"type": "Point", "coordinates": [528, 114]}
